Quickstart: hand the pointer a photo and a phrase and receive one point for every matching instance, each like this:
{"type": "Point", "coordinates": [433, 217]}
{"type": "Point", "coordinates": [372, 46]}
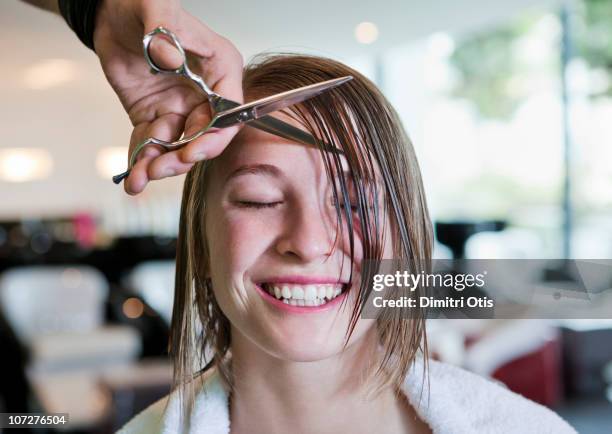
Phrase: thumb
{"type": "Point", "coordinates": [164, 53]}
{"type": "Point", "coordinates": [156, 13]}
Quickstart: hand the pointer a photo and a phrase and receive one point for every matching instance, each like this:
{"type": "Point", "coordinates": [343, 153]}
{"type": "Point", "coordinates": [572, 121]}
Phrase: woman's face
{"type": "Point", "coordinates": [271, 226]}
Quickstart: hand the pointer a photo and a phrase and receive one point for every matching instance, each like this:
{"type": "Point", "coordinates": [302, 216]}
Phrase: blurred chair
{"type": "Point", "coordinates": [523, 354]}
{"type": "Point", "coordinates": [153, 281]}
{"type": "Point", "coordinates": [57, 312]}
{"type": "Point", "coordinates": [45, 300]}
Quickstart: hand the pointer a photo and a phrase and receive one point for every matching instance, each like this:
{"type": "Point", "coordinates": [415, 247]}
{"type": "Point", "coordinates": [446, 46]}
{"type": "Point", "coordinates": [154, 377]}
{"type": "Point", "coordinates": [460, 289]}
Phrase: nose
{"type": "Point", "coordinates": [308, 235]}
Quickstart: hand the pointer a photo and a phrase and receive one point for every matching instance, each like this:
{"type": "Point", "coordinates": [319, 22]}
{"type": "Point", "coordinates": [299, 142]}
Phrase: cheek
{"type": "Point", "coordinates": [344, 241]}
{"type": "Point", "coordinates": [236, 240]}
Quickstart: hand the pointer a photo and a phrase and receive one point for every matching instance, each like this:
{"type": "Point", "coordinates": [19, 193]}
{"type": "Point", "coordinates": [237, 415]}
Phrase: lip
{"type": "Point", "coordinates": [300, 309]}
{"type": "Point", "coordinates": [303, 280]}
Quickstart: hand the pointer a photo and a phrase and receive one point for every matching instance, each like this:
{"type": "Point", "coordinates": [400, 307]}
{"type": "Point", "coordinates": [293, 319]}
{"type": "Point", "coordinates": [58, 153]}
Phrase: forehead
{"type": "Point", "coordinates": [252, 146]}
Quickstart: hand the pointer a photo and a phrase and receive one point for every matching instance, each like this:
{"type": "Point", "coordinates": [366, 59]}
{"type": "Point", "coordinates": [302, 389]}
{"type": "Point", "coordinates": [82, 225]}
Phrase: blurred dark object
{"type": "Point", "coordinates": [588, 415]}
{"type": "Point", "coordinates": [586, 352]}
{"type": "Point", "coordinates": [72, 240]}
{"type": "Point", "coordinates": [128, 309]}
{"type": "Point", "coordinates": [14, 388]}
{"type": "Point", "coordinates": [561, 270]}
{"type": "Point", "coordinates": [455, 234]}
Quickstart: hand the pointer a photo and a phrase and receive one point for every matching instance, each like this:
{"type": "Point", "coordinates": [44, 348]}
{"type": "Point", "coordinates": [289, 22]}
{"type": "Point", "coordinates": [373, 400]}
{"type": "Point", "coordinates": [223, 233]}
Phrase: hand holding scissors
{"type": "Point", "coordinates": [228, 113]}
{"type": "Point", "coordinates": [159, 105]}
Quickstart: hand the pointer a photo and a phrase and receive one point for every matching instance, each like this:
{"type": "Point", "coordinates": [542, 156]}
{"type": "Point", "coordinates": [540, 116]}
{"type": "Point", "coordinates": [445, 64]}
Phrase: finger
{"type": "Point", "coordinates": [198, 119]}
{"type": "Point", "coordinates": [168, 164]}
{"type": "Point", "coordinates": [169, 14]}
{"type": "Point", "coordinates": [195, 36]}
{"type": "Point", "coordinates": [225, 70]}
{"type": "Point", "coordinates": [134, 183]}
{"type": "Point", "coordinates": [164, 53]}
{"type": "Point", "coordinates": [155, 13]}
{"type": "Point", "coordinates": [219, 62]}
{"type": "Point", "coordinates": [168, 127]}
{"type": "Point", "coordinates": [209, 145]}
{"type": "Point", "coordinates": [138, 178]}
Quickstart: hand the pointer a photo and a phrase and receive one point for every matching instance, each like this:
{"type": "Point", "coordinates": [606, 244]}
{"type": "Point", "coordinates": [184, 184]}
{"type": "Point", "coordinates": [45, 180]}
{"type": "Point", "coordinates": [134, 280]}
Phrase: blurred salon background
{"type": "Point", "coordinates": [508, 103]}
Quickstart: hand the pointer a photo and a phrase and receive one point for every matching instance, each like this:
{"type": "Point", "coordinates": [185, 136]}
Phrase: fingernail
{"type": "Point", "coordinates": [168, 172]}
{"type": "Point", "coordinates": [198, 157]}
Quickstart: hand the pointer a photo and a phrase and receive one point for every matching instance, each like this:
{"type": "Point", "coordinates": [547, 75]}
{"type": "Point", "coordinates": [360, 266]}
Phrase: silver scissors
{"type": "Point", "coordinates": [227, 113]}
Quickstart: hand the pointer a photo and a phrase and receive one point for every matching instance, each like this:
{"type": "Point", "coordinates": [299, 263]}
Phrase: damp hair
{"type": "Point", "coordinates": [386, 180]}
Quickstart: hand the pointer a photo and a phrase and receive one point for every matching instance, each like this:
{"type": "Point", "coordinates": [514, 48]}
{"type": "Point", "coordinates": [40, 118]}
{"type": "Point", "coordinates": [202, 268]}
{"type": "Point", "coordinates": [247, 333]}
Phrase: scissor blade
{"type": "Point", "coordinates": [262, 107]}
{"type": "Point", "coordinates": [279, 128]}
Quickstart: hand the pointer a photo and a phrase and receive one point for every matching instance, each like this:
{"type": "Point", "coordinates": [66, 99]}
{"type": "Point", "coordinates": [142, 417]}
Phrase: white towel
{"type": "Point", "coordinates": [460, 402]}
{"type": "Point", "coordinates": [450, 401]}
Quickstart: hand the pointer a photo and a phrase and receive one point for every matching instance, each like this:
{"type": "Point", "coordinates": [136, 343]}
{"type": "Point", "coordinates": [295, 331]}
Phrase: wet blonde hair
{"type": "Point", "coordinates": [357, 119]}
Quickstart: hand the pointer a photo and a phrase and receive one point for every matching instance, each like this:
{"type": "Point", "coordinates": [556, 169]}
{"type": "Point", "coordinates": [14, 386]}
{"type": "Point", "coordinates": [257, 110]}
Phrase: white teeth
{"type": "Point", "coordinates": [286, 292]}
{"type": "Point", "coordinates": [310, 292]}
{"type": "Point", "coordinates": [304, 295]}
{"type": "Point", "coordinates": [321, 292]}
{"type": "Point", "coordinates": [297, 292]}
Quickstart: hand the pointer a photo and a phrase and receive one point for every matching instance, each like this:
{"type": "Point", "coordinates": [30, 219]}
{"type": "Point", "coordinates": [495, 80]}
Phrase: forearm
{"type": "Point", "coordinates": [48, 5]}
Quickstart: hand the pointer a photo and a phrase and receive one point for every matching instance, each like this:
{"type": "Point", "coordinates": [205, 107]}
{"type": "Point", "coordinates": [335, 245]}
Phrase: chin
{"type": "Point", "coordinates": [301, 341]}
{"type": "Point", "coordinates": [307, 353]}
{"type": "Point", "coordinates": [302, 345]}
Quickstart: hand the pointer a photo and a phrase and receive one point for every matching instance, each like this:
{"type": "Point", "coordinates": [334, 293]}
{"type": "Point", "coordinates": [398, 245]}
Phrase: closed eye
{"type": "Point", "coordinates": [354, 206]}
{"type": "Point", "coordinates": [258, 205]}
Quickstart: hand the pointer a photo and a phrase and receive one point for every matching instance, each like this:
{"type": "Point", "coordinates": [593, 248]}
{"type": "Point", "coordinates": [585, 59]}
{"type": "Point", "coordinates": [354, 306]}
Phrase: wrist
{"type": "Point", "coordinates": [80, 15]}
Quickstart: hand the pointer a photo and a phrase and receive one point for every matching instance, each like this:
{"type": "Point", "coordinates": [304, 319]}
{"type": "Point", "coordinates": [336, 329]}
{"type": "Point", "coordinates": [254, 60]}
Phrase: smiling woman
{"type": "Point", "coordinates": [267, 335]}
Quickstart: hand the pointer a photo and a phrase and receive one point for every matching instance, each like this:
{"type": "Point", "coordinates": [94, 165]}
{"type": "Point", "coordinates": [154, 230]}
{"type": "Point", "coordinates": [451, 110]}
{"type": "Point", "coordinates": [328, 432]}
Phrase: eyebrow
{"type": "Point", "coordinates": [255, 169]}
{"type": "Point", "coordinates": [260, 169]}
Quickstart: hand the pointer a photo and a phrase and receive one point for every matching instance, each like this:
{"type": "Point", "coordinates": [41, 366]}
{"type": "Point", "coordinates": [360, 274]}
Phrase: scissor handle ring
{"type": "Point", "coordinates": [146, 42]}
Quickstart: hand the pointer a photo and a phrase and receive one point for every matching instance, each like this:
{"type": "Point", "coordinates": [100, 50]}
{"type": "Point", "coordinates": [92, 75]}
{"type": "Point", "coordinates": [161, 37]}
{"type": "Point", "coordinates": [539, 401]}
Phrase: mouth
{"type": "Point", "coordinates": [309, 295]}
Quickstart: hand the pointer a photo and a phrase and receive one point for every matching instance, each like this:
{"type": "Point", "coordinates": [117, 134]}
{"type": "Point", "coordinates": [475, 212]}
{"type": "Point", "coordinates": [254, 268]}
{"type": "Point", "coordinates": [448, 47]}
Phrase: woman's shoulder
{"type": "Point", "coordinates": [209, 412]}
{"type": "Point", "coordinates": [452, 399]}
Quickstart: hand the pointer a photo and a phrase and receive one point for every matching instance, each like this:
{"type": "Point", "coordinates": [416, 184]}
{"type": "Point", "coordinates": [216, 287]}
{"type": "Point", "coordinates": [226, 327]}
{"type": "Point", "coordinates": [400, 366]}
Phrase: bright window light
{"type": "Point", "coordinates": [24, 164]}
{"type": "Point", "coordinates": [49, 73]}
{"type": "Point", "coordinates": [366, 32]}
{"type": "Point", "coordinates": [111, 161]}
